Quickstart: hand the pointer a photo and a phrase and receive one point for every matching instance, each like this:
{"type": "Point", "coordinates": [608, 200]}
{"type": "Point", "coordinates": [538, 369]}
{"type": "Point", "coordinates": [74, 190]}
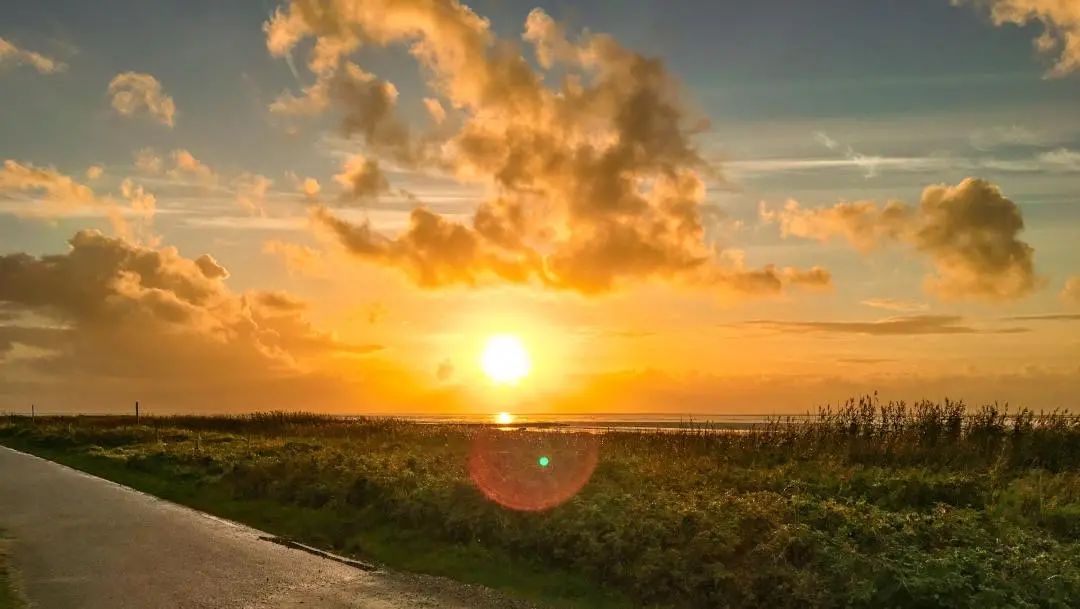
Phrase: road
{"type": "Point", "coordinates": [80, 542]}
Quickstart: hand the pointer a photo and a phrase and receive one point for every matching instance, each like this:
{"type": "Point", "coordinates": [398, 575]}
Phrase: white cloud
{"type": "Point", "coordinates": [1061, 159]}
{"type": "Point", "coordinates": [868, 164]}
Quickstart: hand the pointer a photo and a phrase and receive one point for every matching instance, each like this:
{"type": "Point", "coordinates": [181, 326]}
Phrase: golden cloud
{"type": "Point", "coordinates": [185, 165]}
{"type": "Point", "coordinates": [13, 55]}
{"type": "Point", "coordinates": [970, 232]}
{"type": "Point", "coordinates": [362, 178]}
{"type": "Point", "coordinates": [299, 259]}
{"type": "Point", "coordinates": [597, 182]}
{"type": "Point", "coordinates": [1061, 27]}
{"type": "Point", "coordinates": [251, 190]}
{"type": "Point", "coordinates": [133, 92]}
{"type": "Point", "coordinates": [57, 194]}
{"type": "Point", "coordinates": [909, 325]}
{"type": "Point", "coordinates": [1070, 294]}
{"type": "Point", "coordinates": [137, 312]}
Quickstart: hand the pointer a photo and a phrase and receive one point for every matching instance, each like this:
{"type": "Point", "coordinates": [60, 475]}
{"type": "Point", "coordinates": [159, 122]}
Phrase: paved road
{"type": "Point", "coordinates": [80, 542]}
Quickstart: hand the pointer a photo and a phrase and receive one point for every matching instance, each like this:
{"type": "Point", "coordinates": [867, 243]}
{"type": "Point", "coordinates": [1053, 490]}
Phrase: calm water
{"type": "Point", "coordinates": [611, 421]}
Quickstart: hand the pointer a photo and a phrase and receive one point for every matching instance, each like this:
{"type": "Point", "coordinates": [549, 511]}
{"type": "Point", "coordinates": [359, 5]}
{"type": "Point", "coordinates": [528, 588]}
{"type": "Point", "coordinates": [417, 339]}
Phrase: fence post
{"type": "Point", "coordinates": [136, 412]}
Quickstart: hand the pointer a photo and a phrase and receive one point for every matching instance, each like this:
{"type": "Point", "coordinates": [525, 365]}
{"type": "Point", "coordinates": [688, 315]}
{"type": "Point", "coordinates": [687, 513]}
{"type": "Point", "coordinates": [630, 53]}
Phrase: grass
{"type": "Point", "coordinates": [868, 505]}
{"type": "Point", "coordinates": [9, 598]}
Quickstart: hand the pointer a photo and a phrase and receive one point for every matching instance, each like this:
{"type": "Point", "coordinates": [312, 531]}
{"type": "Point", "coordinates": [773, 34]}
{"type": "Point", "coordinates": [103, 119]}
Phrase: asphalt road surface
{"type": "Point", "coordinates": [80, 542]}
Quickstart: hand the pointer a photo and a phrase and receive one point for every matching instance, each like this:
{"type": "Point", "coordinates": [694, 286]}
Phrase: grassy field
{"type": "Point", "coordinates": [8, 597]}
{"type": "Point", "coordinates": [871, 505]}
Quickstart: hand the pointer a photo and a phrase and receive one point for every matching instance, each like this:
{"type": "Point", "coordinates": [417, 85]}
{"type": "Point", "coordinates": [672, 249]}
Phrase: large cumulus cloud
{"type": "Point", "coordinates": [111, 309]}
{"type": "Point", "coordinates": [596, 181]}
{"type": "Point", "coordinates": [970, 232]}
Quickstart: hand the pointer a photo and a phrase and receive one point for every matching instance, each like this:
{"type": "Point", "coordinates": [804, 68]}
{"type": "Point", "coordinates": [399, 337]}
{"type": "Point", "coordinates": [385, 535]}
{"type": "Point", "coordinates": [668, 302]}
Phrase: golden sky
{"type": "Point", "coordinates": [335, 206]}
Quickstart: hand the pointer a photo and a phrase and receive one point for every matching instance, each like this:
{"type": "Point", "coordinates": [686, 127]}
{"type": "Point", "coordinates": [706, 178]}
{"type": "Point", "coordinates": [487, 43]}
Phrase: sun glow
{"type": "Point", "coordinates": [504, 418]}
{"type": "Point", "coordinates": [505, 359]}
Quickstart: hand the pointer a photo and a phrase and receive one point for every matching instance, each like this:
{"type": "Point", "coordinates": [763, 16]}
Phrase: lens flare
{"type": "Point", "coordinates": [530, 471]}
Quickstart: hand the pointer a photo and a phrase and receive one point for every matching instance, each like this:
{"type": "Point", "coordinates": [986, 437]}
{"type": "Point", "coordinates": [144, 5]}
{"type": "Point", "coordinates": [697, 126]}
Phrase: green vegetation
{"type": "Point", "coordinates": [873, 505]}
{"type": "Point", "coordinates": [9, 599]}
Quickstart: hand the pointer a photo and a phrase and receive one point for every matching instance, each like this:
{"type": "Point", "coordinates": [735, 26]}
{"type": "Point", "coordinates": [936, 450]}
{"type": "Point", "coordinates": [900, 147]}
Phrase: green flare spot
{"type": "Point", "coordinates": [543, 461]}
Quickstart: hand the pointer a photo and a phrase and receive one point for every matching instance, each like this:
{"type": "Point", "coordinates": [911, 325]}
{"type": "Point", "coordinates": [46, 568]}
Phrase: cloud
{"type": "Point", "coordinates": [1047, 317]}
{"type": "Point", "coordinates": [864, 224]}
{"type": "Point", "coordinates": [309, 187]}
{"type": "Point", "coordinates": [1012, 135]}
{"type": "Point", "coordinates": [893, 326]}
{"type": "Point", "coordinates": [1061, 159]}
{"type": "Point", "coordinates": [133, 92]}
{"type": "Point", "coordinates": [314, 100]}
{"type": "Point", "coordinates": [435, 109]}
{"type": "Point", "coordinates": [596, 181]}
{"type": "Point", "coordinates": [94, 172]}
{"type": "Point", "coordinates": [1061, 27]}
{"type": "Point", "coordinates": [148, 161]}
{"type": "Point", "coordinates": [13, 55]}
{"type": "Point", "coordinates": [368, 108]}
{"type": "Point", "coordinates": [970, 233]}
{"type": "Point", "coordinates": [251, 190]}
{"type": "Point", "coordinates": [892, 304]}
{"type": "Point", "coordinates": [299, 260]}
{"type": "Point", "coordinates": [139, 313]}
{"type": "Point", "coordinates": [906, 164]}
{"type": "Point", "coordinates": [55, 195]}
{"type": "Point", "coordinates": [185, 165]}
{"type": "Point", "coordinates": [362, 179]}
{"type": "Point", "coordinates": [1070, 294]}
{"type": "Point", "coordinates": [868, 164]}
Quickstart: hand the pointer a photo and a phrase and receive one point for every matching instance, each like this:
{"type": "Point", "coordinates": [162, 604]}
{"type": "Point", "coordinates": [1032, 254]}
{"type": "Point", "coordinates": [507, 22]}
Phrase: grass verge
{"type": "Point", "coordinates": [386, 544]}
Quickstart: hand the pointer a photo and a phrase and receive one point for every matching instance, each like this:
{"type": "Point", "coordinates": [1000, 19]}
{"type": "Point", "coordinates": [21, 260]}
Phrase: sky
{"type": "Point", "coordinates": [692, 207]}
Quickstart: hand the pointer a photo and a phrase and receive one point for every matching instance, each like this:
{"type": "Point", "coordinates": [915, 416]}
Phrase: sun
{"type": "Point", "coordinates": [505, 359]}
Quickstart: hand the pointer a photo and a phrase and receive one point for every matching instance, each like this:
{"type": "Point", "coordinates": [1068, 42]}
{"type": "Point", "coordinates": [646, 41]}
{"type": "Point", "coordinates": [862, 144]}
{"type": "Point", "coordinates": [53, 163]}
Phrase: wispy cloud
{"type": "Point", "coordinates": [868, 164]}
{"type": "Point", "coordinates": [1046, 317]}
{"type": "Point", "coordinates": [13, 55]}
{"type": "Point", "coordinates": [1062, 159]}
{"type": "Point", "coordinates": [892, 304]}
{"type": "Point", "coordinates": [892, 326]}
{"type": "Point", "coordinates": [1007, 136]}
